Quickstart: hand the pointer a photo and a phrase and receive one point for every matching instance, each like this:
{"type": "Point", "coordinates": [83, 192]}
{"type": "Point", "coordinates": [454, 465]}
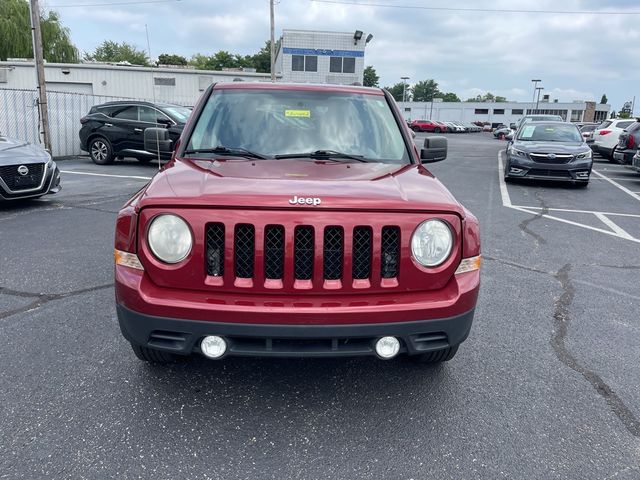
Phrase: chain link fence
{"type": "Point", "coordinates": [19, 117]}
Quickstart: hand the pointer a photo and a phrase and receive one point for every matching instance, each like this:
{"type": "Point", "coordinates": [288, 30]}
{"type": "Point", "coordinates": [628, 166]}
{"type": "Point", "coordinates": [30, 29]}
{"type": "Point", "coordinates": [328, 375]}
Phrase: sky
{"type": "Point", "coordinates": [578, 56]}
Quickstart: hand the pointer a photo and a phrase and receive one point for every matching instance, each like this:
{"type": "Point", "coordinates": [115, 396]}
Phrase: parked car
{"type": "Point", "coordinates": [426, 126]}
{"type": "Point", "coordinates": [635, 162]}
{"type": "Point", "coordinates": [293, 241]}
{"type": "Point", "coordinates": [26, 170]}
{"type": "Point", "coordinates": [454, 127]}
{"type": "Point", "coordinates": [606, 136]}
{"type": "Point", "coordinates": [587, 130]}
{"type": "Point", "coordinates": [628, 144]}
{"type": "Point", "coordinates": [472, 127]}
{"type": "Point", "coordinates": [504, 133]}
{"type": "Point", "coordinates": [116, 129]}
{"type": "Point", "coordinates": [549, 151]}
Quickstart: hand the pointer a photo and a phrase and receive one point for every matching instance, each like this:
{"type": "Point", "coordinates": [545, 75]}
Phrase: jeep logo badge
{"type": "Point", "coordinates": [23, 170]}
{"type": "Point", "coordinates": [315, 201]}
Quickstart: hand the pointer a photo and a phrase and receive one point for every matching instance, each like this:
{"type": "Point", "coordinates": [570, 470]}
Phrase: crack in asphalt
{"type": "Point", "coordinates": [41, 299]}
{"type": "Point", "coordinates": [516, 265]}
{"type": "Point", "coordinates": [524, 225]}
{"type": "Point", "coordinates": [561, 322]}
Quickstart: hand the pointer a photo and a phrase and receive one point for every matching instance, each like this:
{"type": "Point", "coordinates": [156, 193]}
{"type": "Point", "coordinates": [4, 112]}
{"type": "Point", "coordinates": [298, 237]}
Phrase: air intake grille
{"type": "Point", "coordinates": [333, 248]}
{"type": "Point", "coordinates": [361, 252]}
{"type": "Point", "coordinates": [215, 249]}
{"type": "Point", "coordinates": [390, 251]}
{"type": "Point", "coordinates": [303, 252]}
{"type": "Point", "coordinates": [16, 182]}
{"type": "Point", "coordinates": [274, 252]}
{"type": "Point", "coordinates": [244, 241]}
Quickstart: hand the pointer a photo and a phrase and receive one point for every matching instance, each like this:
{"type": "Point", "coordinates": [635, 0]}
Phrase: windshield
{"type": "Point", "coordinates": [550, 132]}
{"type": "Point", "coordinates": [280, 122]}
{"type": "Point", "coordinates": [179, 114]}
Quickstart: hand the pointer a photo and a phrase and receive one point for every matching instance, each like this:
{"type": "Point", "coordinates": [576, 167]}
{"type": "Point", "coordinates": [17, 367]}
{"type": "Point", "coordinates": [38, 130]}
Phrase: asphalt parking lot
{"type": "Point", "coordinates": [547, 385]}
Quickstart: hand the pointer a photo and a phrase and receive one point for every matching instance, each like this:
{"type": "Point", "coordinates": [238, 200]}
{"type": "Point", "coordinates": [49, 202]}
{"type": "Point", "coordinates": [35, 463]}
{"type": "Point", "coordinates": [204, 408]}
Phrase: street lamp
{"type": "Point", "coordinates": [538, 100]}
{"type": "Point", "coordinates": [535, 85]}
{"type": "Point", "coordinates": [404, 87]}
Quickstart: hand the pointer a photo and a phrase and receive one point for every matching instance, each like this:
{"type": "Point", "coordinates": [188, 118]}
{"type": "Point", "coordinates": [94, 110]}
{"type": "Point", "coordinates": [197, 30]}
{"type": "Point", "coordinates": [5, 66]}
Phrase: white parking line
{"type": "Point", "coordinates": [616, 184]}
{"type": "Point", "coordinates": [106, 175]}
{"type": "Point", "coordinates": [615, 231]}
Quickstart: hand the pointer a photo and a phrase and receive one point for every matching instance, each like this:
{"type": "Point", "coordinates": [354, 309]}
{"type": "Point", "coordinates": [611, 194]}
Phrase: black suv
{"type": "Point", "coordinates": [116, 129]}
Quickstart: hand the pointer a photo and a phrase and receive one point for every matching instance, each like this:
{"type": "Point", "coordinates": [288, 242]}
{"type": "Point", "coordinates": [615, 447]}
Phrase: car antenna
{"type": "Point", "coordinates": [153, 92]}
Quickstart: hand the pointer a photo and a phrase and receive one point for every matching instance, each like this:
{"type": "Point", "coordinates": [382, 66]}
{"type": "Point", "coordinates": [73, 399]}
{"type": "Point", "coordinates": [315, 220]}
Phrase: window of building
{"type": "Point", "coordinates": [576, 115]}
{"type": "Point", "coordinates": [407, 109]}
{"type": "Point", "coordinates": [310, 63]}
{"type": "Point", "coordinates": [297, 63]}
{"type": "Point", "coordinates": [498, 111]}
{"type": "Point", "coordinates": [517, 111]}
{"type": "Point", "coordinates": [165, 81]}
{"type": "Point", "coordinates": [342, 65]}
{"type": "Point", "coordinates": [482, 111]}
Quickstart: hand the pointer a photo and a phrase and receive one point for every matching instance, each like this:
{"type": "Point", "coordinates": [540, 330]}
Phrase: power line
{"type": "Point", "coordinates": [109, 4]}
{"type": "Point", "coordinates": [472, 9]}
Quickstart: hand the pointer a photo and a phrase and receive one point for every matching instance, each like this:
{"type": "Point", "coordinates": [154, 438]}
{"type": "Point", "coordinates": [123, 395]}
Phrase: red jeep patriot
{"type": "Point", "coordinates": [293, 221]}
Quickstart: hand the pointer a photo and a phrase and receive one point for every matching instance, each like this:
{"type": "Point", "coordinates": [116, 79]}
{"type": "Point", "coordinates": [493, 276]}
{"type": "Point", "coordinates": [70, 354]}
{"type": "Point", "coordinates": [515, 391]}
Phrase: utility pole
{"type": "Point", "coordinates": [535, 85]}
{"type": "Point", "coordinates": [36, 35]}
{"type": "Point", "coordinates": [404, 88]}
{"type": "Point", "coordinates": [273, 45]}
{"type": "Point", "coordinates": [538, 100]}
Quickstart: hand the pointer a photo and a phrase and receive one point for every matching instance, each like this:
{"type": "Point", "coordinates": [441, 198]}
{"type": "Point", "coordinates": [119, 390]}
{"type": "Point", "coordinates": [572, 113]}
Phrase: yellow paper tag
{"type": "Point", "coordinates": [297, 113]}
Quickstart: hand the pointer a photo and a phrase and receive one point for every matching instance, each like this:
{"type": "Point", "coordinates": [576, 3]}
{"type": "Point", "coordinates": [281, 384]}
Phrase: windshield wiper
{"type": "Point", "coordinates": [230, 151]}
{"type": "Point", "coordinates": [323, 155]}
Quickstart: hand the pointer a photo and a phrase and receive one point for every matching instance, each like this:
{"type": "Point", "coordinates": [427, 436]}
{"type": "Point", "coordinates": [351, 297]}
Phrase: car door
{"type": "Point", "coordinates": [126, 133]}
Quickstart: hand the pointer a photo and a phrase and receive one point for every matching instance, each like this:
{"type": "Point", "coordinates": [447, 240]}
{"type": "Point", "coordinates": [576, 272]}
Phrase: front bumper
{"type": "Point", "coordinates": [574, 171]}
{"type": "Point", "coordinates": [184, 336]}
{"type": "Point", "coordinates": [625, 157]}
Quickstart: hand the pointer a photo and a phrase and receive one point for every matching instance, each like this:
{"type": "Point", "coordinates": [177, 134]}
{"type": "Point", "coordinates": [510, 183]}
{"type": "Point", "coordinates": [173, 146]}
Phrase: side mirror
{"type": "Point", "coordinates": [164, 121]}
{"type": "Point", "coordinates": [413, 134]}
{"type": "Point", "coordinates": [157, 139]}
{"type": "Point", "coordinates": [435, 150]}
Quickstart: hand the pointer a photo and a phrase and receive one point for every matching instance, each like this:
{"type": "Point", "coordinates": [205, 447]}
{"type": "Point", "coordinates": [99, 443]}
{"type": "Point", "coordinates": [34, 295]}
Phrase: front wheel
{"type": "Point", "coordinates": [152, 355]}
{"type": "Point", "coordinates": [437, 356]}
{"type": "Point", "coordinates": [101, 151]}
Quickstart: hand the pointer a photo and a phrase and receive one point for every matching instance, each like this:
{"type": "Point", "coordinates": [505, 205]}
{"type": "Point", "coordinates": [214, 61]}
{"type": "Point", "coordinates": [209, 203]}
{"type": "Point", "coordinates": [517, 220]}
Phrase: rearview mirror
{"type": "Point", "coordinates": [157, 140]}
{"type": "Point", "coordinates": [435, 150]}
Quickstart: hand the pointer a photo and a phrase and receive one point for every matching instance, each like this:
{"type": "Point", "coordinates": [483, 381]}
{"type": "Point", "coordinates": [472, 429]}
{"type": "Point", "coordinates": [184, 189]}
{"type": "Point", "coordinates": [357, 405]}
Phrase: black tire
{"type": "Point", "coordinates": [437, 356]}
{"type": "Point", "coordinates": [100, 151]}
{"type": "Point", "coordinates": [151, 355]}
{"type": "Point", "coordinates": [609, 156]}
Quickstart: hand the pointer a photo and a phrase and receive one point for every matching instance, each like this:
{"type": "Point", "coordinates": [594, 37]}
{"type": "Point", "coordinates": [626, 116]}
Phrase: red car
{"type": "Point", "coordinates": [296, 220]}
{"type": "Point", "coordinates": [427, 126]}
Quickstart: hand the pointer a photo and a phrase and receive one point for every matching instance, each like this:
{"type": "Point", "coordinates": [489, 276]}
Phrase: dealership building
{"type": "Point", "coordinates": [502, 112]}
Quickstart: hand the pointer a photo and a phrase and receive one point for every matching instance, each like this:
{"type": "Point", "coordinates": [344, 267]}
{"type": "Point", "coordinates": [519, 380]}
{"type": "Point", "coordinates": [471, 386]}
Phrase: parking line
{"type": "Point", "coordinates": [504, 192]}
{"type": "Point", "coordinates": [570, 210]}
{"type": "Point", "coordinates": [106, 175]}
{"type": "Point", "coordinates": [613, 226]}
{"type": "Point", "coordinates": [616, 184]}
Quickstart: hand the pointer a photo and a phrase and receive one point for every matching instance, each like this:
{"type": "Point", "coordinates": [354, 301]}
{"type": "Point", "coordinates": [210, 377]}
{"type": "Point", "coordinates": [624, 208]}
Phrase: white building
{"type": "Point", "coordinates": [167, 84]}
{"type": "Point", "coordinates": [306, 56]}
{"type": "Point", "coordinates": [502, 112]}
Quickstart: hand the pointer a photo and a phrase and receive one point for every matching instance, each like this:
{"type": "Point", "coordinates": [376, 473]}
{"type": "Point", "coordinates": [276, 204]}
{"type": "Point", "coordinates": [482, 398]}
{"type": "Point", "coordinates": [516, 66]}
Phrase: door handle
{"type": "Point", "coordinates": [137, 130]}
{"type": "Point", "coordinates": [108, 124]}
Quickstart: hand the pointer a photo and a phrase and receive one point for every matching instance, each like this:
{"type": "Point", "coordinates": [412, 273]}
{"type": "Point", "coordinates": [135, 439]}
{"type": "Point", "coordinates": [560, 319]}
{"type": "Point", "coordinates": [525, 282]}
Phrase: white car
{"type": "Point", "coordinates": [454, 127]}
{"type": "Point", "coordinates": [606, 135]}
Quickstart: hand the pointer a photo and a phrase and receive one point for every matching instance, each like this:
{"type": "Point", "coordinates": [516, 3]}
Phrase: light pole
{"type": "Point", "coordinates": [535, 85]}
{"type": "Point", "coordinates": [404, 88]}
{"type": "Point", "coordinates": [538, 100]}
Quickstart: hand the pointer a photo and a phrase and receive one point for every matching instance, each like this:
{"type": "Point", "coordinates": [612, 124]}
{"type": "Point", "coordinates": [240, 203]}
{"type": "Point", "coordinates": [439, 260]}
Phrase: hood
{"type": "Point", "coordinates": [278, 183]}
{"type": "Point", "coordinates": [13, 151]}
{"type": "Point", "coordinates": [551, 147]}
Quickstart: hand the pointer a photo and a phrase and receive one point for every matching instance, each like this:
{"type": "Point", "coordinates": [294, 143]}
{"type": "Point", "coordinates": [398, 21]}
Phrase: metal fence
{"type": "Point", "coordinates": [19, 117]}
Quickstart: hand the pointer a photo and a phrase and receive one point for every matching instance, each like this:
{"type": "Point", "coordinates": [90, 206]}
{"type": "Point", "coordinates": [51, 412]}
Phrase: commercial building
{"type": "Point", "coordinates": [502, 112]}
{"type": "Point", "coordinates": [306, 56]}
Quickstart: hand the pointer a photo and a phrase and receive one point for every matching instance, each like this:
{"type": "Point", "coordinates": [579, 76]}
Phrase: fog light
{"type": "Point", "coordinates": [213, 346]}
{"type": "Point", "coordinates": [387, 347]}
{"type": "Point", "coordinates": [515, 170]}
{"type": "Point", "coordinates": [582, 174]}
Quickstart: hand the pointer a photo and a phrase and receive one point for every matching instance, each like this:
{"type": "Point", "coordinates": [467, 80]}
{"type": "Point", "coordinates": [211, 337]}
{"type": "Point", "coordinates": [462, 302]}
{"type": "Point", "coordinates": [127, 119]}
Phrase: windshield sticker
{"type": "Point", "coordinates": [527, 131]}
{"type": "Point", "coordinates": [298, 113]}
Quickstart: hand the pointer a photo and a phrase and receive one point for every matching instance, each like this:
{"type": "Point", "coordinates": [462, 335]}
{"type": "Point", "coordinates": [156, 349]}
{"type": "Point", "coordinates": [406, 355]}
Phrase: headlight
{"type": "Point", "coordinates": [515, 151]}
{"type": "Point", "coordinates": [431, 243]}
{"type": "Point", "coordinates": [584, 155]}
{"type": "Point", "coordinates": [169, 238]}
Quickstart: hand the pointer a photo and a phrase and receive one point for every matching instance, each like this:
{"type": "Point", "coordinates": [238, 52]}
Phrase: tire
{"type": "Point", "coordinates": [437, 356]}
{"type": "Point", "coordinates": [609, 156]}
{"type": "Point", "coordinates": [151, 355]}
{"type": "Point", "coordinates": [101, 151]}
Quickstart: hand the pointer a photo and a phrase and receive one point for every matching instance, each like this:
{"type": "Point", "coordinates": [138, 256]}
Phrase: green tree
{"type": "Point", "coordinates": [371, 78]}
{"type": "Point", "coordinates": [425, 90]}
{"type": "Point", "coordinates": [622, 114]}
{"type": "Point", "coordinates": [170, 59]}
{"type": "Point", "coordinates": [15, 34]}
{"type": "Point", "coordinates": [261, 61]}
{"type": "Point", "coordinates": [487, 97]}
{"type": "Point", "coordinates": [450, 97]}
{"type": "Point", "coordinates": [396, 91]}
{"type": "Point", "coordinates": [604, 99]}
{"type": "Point", "coordinates": [500, 99]}
{"type": "Point", "coordinates": [110, 51]}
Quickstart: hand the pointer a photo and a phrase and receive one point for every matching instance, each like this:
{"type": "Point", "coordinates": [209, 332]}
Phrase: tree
{"type": "Point", "coordinates": [15, 34]}
{"type": "Point", "coordinates": [450, 97]}
{"type": "Point", "coordinates": [170, 59]}
{"type": "Point", "coordinates": [371, 78]}
{"type": "Point", "coordinates": [109, 51]}
{"type": "Point", "coordinates": [622, 114]}
{"type": "Point", "coordinates": [500, 99]}
{"type": "Point", "coordinates": [261, 61]}
{"type": "Point", "coordinates": [396, 91]}
{"type": "Point", "coordinates": [425, 90]}
{"type": "Point", "coordinates": [604, 99]}
{"type": "Point", "coordinates": [487, 97]}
